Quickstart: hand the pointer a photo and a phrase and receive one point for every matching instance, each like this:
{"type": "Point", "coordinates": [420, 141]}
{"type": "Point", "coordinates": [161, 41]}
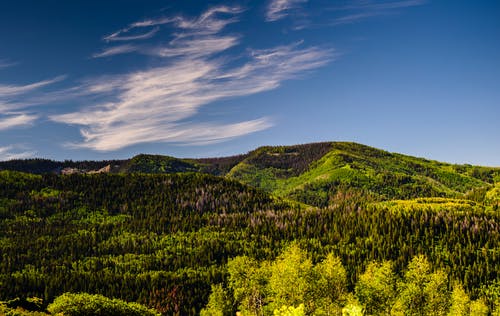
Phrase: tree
{"type": "Point", "coordinates": [352, 308]}
{"type": "Point", "coordinates": [376, 288]}
{"type": "Point", "coordinates": [290, 311]}
{"type": "Point", "coordinates": [478, 308]}
{"type": "Point", "coordinates": [422, 292]}
{"type": "Point", "coordinates": [290, 274]}
{"type": "Point", "coordinates": [219, 303]}
{"type": "Point", "coordinates": [459, 302]}
{"type": "Point", "coordinates": [329, 285]}
{"type": "Point", "coordinates": [83, 304]}
{"type": "Point", "coordinates": [248, 282]}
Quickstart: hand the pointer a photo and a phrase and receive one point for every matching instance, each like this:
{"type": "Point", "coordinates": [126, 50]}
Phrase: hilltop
{"type": "Point", "coordinates": [309, 173]}
{"type": "Point", "coordinates": [314, 173]}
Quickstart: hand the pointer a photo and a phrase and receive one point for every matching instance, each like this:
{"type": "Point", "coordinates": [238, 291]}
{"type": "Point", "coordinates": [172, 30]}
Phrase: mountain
{"type": "Point", "coordinates": [309, 173]}
{"type": "Point", "coordinates": [314, 173]}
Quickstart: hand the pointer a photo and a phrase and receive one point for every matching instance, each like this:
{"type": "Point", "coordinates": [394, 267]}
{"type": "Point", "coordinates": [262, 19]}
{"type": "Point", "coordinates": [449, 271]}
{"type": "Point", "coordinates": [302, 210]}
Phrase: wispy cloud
{"type": "Point", "coordinates": [14, 99]}
{"type": "Point", "coordinates": [5, 63]}
{"type": "Point", "coordinates": [116, 50]}
{"type": "Point", "coordinates": [118, 36]}
{"type": "Point", "coordinates": [160, 104]}
{"type": "Point", "coordinates": [15, 120]}
{"type": "Point", "coordinates": [13, 90]}
{"type": "Point", "coordinates": [194, 35]}
{"type": "Point", "coordinates": [381, 5]}
{"type": "Point", "coordinates": [195, 47]}
{"type": "Point", "coordinates": [207, 22]}
{"type": "Point", "coordinates": [362, 9]}
{"type": "Point", "coordinates": [278, 9]}
{"type": "Point", "coordinates": [130, 33]}
{"type": "Point", "coordinates": [13, 152]}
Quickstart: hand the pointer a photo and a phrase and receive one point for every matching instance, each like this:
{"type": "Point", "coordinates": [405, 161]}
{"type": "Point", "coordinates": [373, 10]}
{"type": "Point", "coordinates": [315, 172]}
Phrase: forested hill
{"type": "Point", "coordinates": [314, 173]}
{"type": "Point", "coordinates": [165, 233]}
{"type": "Point", "coordinates": [309, 173]}
{"type": "Point", "coordinates": [151, 164]}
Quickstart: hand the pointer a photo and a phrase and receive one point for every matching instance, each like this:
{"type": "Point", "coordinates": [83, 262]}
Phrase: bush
{"type": "Point", "coordinates": [83, 304]}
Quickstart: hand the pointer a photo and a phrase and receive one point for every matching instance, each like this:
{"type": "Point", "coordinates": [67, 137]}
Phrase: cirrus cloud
{"type": "Point", "coordinates": [14, 99]}
{"type": "Point", "coordinates": [278, 9]}
{"type": "Point", "coordinates": [160, 104]}
{"type": "Point", "coordinates": [12, 152]}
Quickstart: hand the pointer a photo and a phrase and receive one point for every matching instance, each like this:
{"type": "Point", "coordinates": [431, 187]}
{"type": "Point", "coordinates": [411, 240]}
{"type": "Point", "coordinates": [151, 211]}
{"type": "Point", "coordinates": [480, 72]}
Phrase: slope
{"type": "Point", "coordinates": [314, 173]}
{"type": "Point", "coordinates": [310, 173]}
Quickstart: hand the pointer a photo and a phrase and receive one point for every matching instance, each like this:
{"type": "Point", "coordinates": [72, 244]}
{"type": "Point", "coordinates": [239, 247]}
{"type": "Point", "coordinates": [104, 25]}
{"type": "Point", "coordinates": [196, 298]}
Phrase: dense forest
{"type": "Point", "coordinates": [310, 229]}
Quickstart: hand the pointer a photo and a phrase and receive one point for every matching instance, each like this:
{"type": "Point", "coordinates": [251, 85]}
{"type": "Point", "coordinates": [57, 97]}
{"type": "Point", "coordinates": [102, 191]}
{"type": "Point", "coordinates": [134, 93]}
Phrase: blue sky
{"type": "Point", "coordinates": [111, 79]}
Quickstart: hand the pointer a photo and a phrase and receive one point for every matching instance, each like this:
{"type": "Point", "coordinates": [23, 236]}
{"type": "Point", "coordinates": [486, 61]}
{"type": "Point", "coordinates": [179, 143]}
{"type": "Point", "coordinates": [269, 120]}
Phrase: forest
{"type": "Point", "coordinates": [313, 229]}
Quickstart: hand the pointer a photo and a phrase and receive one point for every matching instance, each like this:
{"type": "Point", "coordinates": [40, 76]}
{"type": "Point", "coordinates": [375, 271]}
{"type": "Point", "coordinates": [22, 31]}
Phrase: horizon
{"type": "Point", "coordinates": [88, 80]}
{"type": "Point", "coordinates": [248, 152]}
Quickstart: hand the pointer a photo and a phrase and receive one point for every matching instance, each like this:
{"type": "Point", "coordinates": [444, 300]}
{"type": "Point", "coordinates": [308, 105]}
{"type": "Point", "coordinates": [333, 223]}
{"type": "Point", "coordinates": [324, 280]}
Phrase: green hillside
{"type": "Point", "coordinates": [157, 164]}
{"type": "Point", "coordinates": [310, 173]}
{"type": "Point", "coordinates": [314, 173]}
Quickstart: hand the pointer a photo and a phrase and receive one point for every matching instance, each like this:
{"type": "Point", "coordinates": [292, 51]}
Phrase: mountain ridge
{"type": "Point", "coordinates": [308, 173]}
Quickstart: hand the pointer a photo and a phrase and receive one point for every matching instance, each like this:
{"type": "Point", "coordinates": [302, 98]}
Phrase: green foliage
{"type": "Point", "coordinates": [421, 291]}
{"type": "Point", "coordinates": [162, 240]}
{"type": "Point", "coordinates": [290, 311]}
{"type": "Point", "coordinates": [219, 303]}
{"type": "Point", "coordinates": [353, 308]}
{"type": "Point", "coordinates": [289, 283]}
{"type": "Point", "coordinates": [492, 196]}
{"type": "Point", "coordinates": [31, 306]}
{"type": "Point", "coordinates": [329, 286]}
{"type": "Point", "coordinates": [460, 302]}
{"type": "Point", "coordinates": [83, 304]}
{"type": "Point", "coordinates": [478, 308]}
{"type": "Point", "coordinates": [310, 173]}
{"type": "Point", "coordinates": [248, 281]}
{"type": "Point", "coordinates": [376, 288]}
{"type": "Point", "coordinates": [289, 280]}
{"type": "Point", "coordinates": [158, 164]}
{"type": "Point", "coordinates": [379, 291]}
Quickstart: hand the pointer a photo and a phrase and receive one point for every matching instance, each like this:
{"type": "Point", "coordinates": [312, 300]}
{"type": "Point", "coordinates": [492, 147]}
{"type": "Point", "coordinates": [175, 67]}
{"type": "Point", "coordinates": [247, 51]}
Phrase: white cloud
{"type": "Point", "coordinates": [116, 50]}
{"type": "Point", "coordinates": [15, 98]}
{"type": "Point", "coordinates": [12, 152]}
{"type": "Point", "coordinates": [118, 37]}
{"type": "Point", "coordinates": [194, 35]}
{"type": "Point", "coordinates": [15, 120]}
{"type": "Point", "coordinates": [278, 9]}
{"type": "Point", "coordinates": [5, 64]}
{"type": "Point", "coordinates": [381, 5]}
{"type": "Point", "coordinates": [195, 47]}
{"type": "Point", "coordinates": [160, 104]}
{"type": "Point", "coordinates": [13, 90]}
{"type": "Point", "coordinates": [362, 9]}
{"type": "Point", "coordinates": [206, 22]}
{"type": "Point", "coordinates": [125, 33]}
